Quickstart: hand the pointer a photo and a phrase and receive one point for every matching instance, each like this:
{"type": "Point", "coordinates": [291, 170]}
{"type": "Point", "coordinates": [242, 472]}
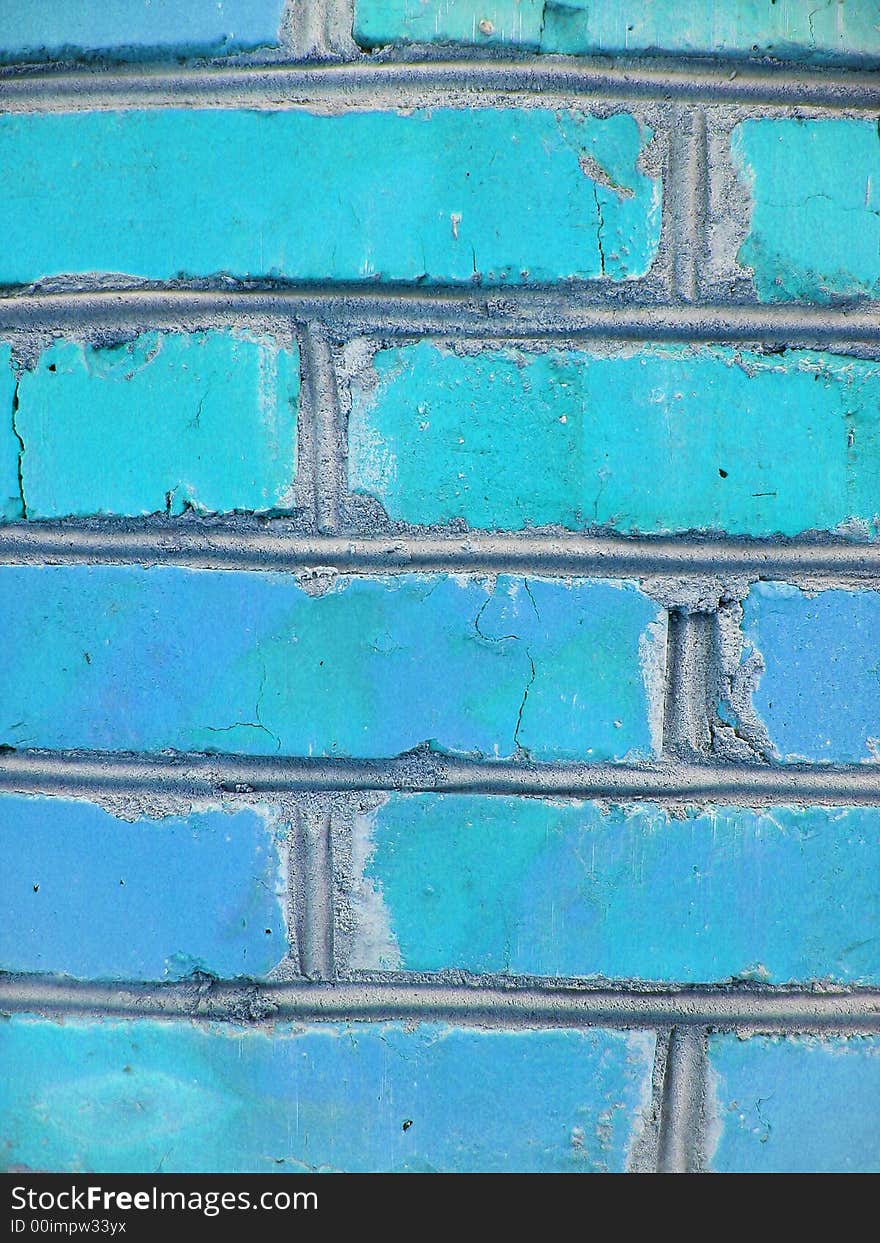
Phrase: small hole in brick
{"type": "Point", "coordinates": [268, 932]}
{"type": "Point", "coordinates": [407, 1123]}
{"type": "Point", "coordinates": [722, 472]}
{"type": "Point", "coordinates": [36, 888]}
{"type": "Point", "coordinates": [51, 367]}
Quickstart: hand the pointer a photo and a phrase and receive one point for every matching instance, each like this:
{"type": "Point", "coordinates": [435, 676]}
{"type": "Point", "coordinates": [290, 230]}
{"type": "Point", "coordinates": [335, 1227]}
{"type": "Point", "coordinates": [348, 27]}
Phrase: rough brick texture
{"type": "Point", "coordinates": [779, 29]}
{"type": "Point", "coordinates": [123, 1097]}
{"type": "Point", "coordinates": [796, 1106]}
{"type": "Point", "coordinates": [508, 196]}
{"type": "Point", "coordinates": [125, 659]}
{"type": "Point", "coordinates": [768, 444]}
{"type": "Point", "coordinates": [556, 889]}
{"type": "Point", "coordinates": [439, 565]}
{"type": "Point", "coordinates": [89, 894]}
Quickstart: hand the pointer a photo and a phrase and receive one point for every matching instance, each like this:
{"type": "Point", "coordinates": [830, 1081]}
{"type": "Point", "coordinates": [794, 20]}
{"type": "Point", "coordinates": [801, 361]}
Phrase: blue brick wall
{"type": "Point", "coordinates": [439, 576]}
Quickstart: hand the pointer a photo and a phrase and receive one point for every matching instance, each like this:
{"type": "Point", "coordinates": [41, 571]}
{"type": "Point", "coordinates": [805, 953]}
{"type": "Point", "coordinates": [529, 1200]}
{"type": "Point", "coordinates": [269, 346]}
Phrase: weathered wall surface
{"type": "Point", "coordinates": [439, 564]}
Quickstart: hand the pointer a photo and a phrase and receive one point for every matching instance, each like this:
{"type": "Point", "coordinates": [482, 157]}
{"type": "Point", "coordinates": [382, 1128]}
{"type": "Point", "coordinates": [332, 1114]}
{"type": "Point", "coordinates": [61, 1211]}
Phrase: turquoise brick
{"type": "Point", "coordinates": [796, 1105]}
{"type": "Point", "coordinates": [505, 438]}
{"type": "Point", "coordinates": [487, 23]}
{"type": "Point", "coordinates": [126, 658]}
{"type": "Point", "coordinates": [163, 423]}
{"type": "Point", "coordinates": [819, 693]}
{"type": "Point", "coordinates": [10, 446]}
{"type": "Point", "coordinates": [134, 1097]}
{"type": "Point", "coordinates": [483, 196]}
{"type": "Point", "coordinates": [815, 225]}
{"type": "Point", "coordinates": [846, 30]}
{"type": "Point", "coordinates": [135, 28]}
{"type": "Point", "coordinates": [568, 889]}
{"type": "Point", "coordinates": [87, 894]}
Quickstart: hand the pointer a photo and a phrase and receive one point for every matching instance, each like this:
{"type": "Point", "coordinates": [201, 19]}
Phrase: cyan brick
{"type": "Point", "coordinates": [480, 196]}
{"type": "Point", "coordinates": [506, 438]}
{"type": "Point", "coordinates": [10, 446]}
{"type": "Point", "coordinates": [797, 1104]}
{"type": "Point", "coordinates": [815, 224]}
{"type": "Point", "coordinates": [789, 29]}
{"type": "Point", "coordinates": [163, 423]}
{"type": "Point", "coordinates": [819, 692]}
{"type": "Point", "coordinates": [134, 1097]}
{"type": "Point", "coordinates": [575, 889]}
{"type": "Point", "coordinates": [119, 658]}
{"type": "Point", "coordinates": [87, 894]}
{"type": "Point", "coordinates": [135, 29]}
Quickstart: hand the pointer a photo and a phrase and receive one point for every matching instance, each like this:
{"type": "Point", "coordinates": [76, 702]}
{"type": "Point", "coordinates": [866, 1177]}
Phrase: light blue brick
{"type": "Point", "coordinates": [819, 693]}
{"type": "Point", "coordinates": [796, 1105]}
{"type": "Point", "coordinates": [134, 1097]}
{"type": "Point", "coordinates": [165, 422]}
{"type": "Point", "coordinates": [842, 30]}
{"type": "Point", "coordinates": [125, 658]}
{"type": "Point", "coordinates": [815, 224]}
{"type": "Point", "coordinates": [464, 196]}
{"type": "Point", "coordinates": [87, 894]}
{"type": "Point", "coordinates": [506, 438]}
{"type": "Point", "coordinates": [134, 28]}
{"type": "Point", "coordinates": [574, 889]}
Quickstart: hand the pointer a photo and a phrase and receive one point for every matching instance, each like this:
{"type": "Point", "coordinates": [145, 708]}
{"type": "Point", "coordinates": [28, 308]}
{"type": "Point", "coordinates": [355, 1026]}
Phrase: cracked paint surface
{"type": "Point", "coordinates": [125, 1097]}
{"type": "Point", "coordinates": [123, 658]}
{"type": "Point", "coordinates": [815, 226]}
{"type": "Point", "coordinates": [134, 29]}
{"type": "Point", "coordinates": [823, 30]}
{"type": "Point", "coordinates": [818, 692]}
{"type": "Point", "coordinates": [383, 188]}
{"type": "Point", "coordinates": [161, 424]}
{"type": "Point", "coordinates": [796, 1104]}
{"type": "Point", "coordinates": [465, 882]}
{"type": "Point", "coordinates": [769, 444]}
{"type": "Point", "coordinates": [87, 894]}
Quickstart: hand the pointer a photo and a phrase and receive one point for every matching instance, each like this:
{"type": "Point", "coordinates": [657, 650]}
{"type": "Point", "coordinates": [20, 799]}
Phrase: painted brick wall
{"type": "Point", "coordinates": [439, 570]}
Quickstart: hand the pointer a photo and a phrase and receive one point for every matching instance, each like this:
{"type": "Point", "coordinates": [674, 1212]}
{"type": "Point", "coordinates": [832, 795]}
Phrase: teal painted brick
{"type": "Point", "coordinates": [819, 692]}
{"type": "Point", "coordinates": [126, 658]}
{"type": "Point", "coordinates": [845, 30]}
{"type": "Point", "coordinates": [506, 438]}
{"type": "Point", "coordinates": [166, 422]}
{"type": "Point", "coordinates": [815, 226]}
{"type": "Point", "coordinates": [10, 446]}
{"type": "Point", "coordinates": [87, 894]}
{"type": "Point", "coordinates": [135, 28]}
{"type": "Point", "coordinates": [134, 1097]}
{"type": "Point", "coordinates": [470, 196]}
{"type": "Point", "coordinates": [796, 1105]}
{"type": "Point", "coordinates": [567, 889]}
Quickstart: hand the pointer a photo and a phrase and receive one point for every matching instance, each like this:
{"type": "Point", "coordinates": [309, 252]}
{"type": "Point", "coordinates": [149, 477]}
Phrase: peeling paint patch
{"type": "Point", "coordinates": [134, 1097]}
{"type": "Point", "coordinates": [562, 889]}
{"type": "Point", "coordinates": [160, 424]}
{"type": "Point", "coordinates": [87, 894]}
{"type": "Point", "coordinates": [795, 1104]}
{"type": "Point", "coordinates": [815, 188]}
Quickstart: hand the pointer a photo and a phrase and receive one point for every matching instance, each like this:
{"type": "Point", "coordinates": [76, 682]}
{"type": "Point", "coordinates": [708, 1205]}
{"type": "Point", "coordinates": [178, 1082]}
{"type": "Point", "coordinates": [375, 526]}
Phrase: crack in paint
{"type": "Point", "coordinates": [21, 449]}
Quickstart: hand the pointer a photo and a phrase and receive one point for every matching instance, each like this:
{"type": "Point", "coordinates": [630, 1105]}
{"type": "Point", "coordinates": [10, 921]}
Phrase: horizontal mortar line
{"type": "Point", "coordinates": [505, 1004]}
{"type": "Point", "coordinates": [398, 82]}
{"type": "Point", "coordinates": [524, 312]}
{"type": "Point", "coordinates": [200, 776]}
{"type": "Point", "coordinates": [273, 547]}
